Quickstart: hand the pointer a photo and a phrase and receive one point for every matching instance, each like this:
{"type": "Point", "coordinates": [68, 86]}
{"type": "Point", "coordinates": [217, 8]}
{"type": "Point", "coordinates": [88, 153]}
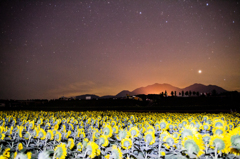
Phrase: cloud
{"type": "Point", "coordinates": [79, 88]}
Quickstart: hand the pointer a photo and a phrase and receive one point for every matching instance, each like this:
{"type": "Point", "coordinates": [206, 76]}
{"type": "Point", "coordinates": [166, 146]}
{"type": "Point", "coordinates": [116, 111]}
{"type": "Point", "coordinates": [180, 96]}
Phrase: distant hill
{"type": "Point", "coordinates": [202, 88]}
{"type": "Point", "coordinates": [87, 95]}
{"type": "Point", "coordinates": [159, 88]}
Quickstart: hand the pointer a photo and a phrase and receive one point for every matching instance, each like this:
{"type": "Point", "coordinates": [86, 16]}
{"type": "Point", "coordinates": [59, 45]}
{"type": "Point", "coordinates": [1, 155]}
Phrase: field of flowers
{"type": "Point", "coordinates": [115, 135]}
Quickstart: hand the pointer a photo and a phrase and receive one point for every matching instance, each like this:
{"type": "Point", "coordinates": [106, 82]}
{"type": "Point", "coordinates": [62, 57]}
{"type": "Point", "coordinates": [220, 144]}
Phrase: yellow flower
{"type": "Point", "coordinates": [193, 145]}
{"type": "Point", "coordinates": [2, 136]}
{"type": "Point", "coordinates": [60, 151]}
{"type": "Point", "coordinates": [6, 153]}
{"type": "Point", "coordinates": [134, 131]}
{"type": "Point", "coordinates": [79, 147]}
{"type": "Point", "coordinates": [68, 133]}
{"type": "Point", "coordinates": [149, 137]}
{"type": "Point", "coordinates": [92, 149]}
{"type": "Point", "coordinates": [50, 135]}
{"type": "Point", "coordinates": [29, 155]}
{"type": "Point", "coordinates": [126, 143]}
{"type": "Point", "coordinates": [20, 146]}
{"type": "Point", "coordinates": [218, 130]}
{"type": "Point", "coordinates": [170, 140]}
{"type": "Point", "coordinates": [15, 155]}
{"type": "Point", "coordinates": [58, 136]}
{"type": "Point", "coordinates": [103, 140]}
{"type": "Point", "coordinates": [115, 129]}
{"type": "Point", "coordinates": [42, 134]}
{"type": "Point", "coordinates": [70, 143]}
{"type": "Point", "coordinates": [116, 152]}
{"type": "Point", "coordinates": [107, 130]}
{"type": "Point", "coordinates": [219, 142]}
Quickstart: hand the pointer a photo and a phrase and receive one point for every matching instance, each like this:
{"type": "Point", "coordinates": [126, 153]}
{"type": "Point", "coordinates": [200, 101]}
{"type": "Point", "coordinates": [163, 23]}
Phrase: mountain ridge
{"type": "Point", "coordinates": [157, 88]}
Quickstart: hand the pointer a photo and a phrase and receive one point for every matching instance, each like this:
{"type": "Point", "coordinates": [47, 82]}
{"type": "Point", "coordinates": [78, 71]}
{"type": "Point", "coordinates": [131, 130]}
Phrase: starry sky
{"type": "Point", "coordinates": [57, 48]}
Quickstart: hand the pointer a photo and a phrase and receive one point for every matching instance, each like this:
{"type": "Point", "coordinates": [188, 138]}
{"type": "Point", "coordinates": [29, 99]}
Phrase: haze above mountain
{"type": "Point", "coordinates": [159, 88]}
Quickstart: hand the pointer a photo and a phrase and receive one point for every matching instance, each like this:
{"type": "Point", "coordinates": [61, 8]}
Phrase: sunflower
{"type": "Point", "coordinates": [206, 138]}
{"type": "Point", "coordinates": [234, 138]}
{"type": "Point", "coordinates": [6, 153]}
{"type": "Point", "coordinates": [42, 134]}
{"type": "Point", "coordinates": [92, 150]}
{"type": "Point", "coordinates": [206, 126]}
{"type": "Point", "coordinates": [107, 130]}
{"type": "Point", "coordinates": [219, 130]}
{"type": "Point", "coordinates": [116, 152]}
{"type": "Point", "coordinates": [103, 140]}
{"type": "Point", "coordinates": [35, 132]}
{"type": "Point", "coordinates": [126, 143]}
{"type": "Point", "coordinates": [122, 134]}
{"type": "Point", "coordinates": [193, 145]}
{"type": "Point", "coordinates": [29, 155]}
{"type": "Point", "coordinates": [27, 135]}
{"type": "Point", "coordinates": [95, 135]}
{"type": "Point", "coordinates": [170, 140]}
{"type": "Point", "coordinates": [85, 142]}
{"type": "Point", "coordinates": [60, 152]}
{"type": "Point", "coordinates": [50, 135]}
{"type": "Point", "coordinates": [134, 132]}
{"type": "Point", "coordinates": [151, 128]}
{"type": "Point", "coordinates": [2, 136]}
{"type": "Point", "coordinates": [163, 125]}
{"type": "Point", "coordinates": [115, 129]}
{"type": "Point", "coordinates": [188, 130]}
{"type": "Point", "coordinates": [218, 123]}
{"type": "Point", "coordinates": [219, 143]}
{"type": "Point", "coordinates": [19, 146]}
{"type": "Point", "coordinates": [149, 137]}
{"type": "Point", "coordinates": [58, 136]}
{"type": "Point", "coordinates": [68, 133]}
{"type": "Point", "coordinates": [79, 147]}
{"type": "Point", "coordinates": [70, 144]}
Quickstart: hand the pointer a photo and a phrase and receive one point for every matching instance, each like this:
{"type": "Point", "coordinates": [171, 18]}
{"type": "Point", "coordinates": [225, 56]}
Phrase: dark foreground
{"type": "Point", "coordinates": [167, 104]}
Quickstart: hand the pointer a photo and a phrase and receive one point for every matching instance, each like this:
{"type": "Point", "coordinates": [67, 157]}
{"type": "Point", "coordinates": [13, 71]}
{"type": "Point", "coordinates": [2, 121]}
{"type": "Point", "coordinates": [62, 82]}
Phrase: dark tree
{"type": "Point", "coordinates": [171, 93]}
{"type": "Point", "coordinates": [214, 92]}
{"type": "Point", "coordinates": [190, 93]}
{"type": "Point", "coordinates": [194, 93]}
{"type": "Point", "coordinates": [182, 93]}
{"type": "Point", "coordinates": [197, 93]}
{"type": "Point", "coordinates": [179, 93]}
{"type": "Point", "coordinates": [186, 93]}
{"type": "Point", "coordinates": [175, 93]}
{"type": "Point", "coordinates": [165, 93]}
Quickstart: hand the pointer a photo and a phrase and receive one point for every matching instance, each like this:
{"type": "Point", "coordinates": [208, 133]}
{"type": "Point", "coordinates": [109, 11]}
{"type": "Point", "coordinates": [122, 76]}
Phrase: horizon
{"type": "Point", "coordinates": [54, 49]}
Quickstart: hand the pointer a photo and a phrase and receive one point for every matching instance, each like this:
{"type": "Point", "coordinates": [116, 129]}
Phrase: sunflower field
{"type": "Point", "coordinates": [116, 135]}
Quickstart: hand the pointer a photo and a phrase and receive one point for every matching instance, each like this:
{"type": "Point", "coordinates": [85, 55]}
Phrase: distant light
{"type": "Point", "coordinates": [140, 12]}
{"type": "Point", "coordinates": [199, 71]}
{"type": "Point", "coordinates": [166, 21]}
{"type": "Point", "coordinates": [206, 4]}
{"type": "Point", "coordinates": [233, 21]}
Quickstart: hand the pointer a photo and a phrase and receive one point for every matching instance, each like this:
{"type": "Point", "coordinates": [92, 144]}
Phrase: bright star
{"type": "Point", "coordinates": [199, 71]}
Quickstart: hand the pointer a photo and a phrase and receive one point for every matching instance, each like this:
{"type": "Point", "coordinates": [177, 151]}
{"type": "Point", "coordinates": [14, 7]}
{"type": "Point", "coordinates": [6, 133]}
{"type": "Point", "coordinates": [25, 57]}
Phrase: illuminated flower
{"type": "Point", "coordinates": [115, 129]}
{"type": "Point", "coordinates": [126, 143]}
{"type": "Point", "coordinates": [206, 138]}
{"type": "Point", "coordinates": [93, 149]}
{"type": "Point", "coordinates": [95, 135]}
{"type": "Point", "coordinates": [122, 134]}
{"type": "Point", "coordinates": [163, 125]}
{"type": "Point", "coordinates": [6, 153]}
{"type": "Point", "coordinates": [234, 138]}
{"type": "Point", "coordinates": [70, 144]}
{"type": "Point", "coordinates": [103, 140]}
{"type": "Point", "coordinates": [42, 134]}
{"type": "Point", "coordinates": [193, 145]}
{"type": "Point", "coordinates": [206, 126]}
{"type": "Point", "coordinates": [58, 136]}
{"type": "Point", "coordinates": [2, 136]}
{"type": "Point", "coordinates": [107, 130]}
{"type": "Point", "coordinates": [50, 135]}
{"type": "Point", "coordinates": [29, 155]}
{"type": "Point", "coordinates": [150, 128]}
{"type": "Point", "coordinates": [149, 137]}
{"type": "Point", "coordinates": [134, 131]}
{"type": "Point", "coordinates": [68, 133]}
{"type": "Point", "coordinates": [170, 140]}
{"type": "Point", "coordinates": [116, 152]}
{"type": "Point", "coordinates": [219, 142]}
{"type": "Point", "coordinates": [189, 130]}
{"type": "Point", "coordinates": [60, 152]}
{"type": "Point", "coordinates": [79, 147]}
{"type": "Point", "coordinates": [219, 130]}
{"type": "Point", "coordinates": [19, 146]}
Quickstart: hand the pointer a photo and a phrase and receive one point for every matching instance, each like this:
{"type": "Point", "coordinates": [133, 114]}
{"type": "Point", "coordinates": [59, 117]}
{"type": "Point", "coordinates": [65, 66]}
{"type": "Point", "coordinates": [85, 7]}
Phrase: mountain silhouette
{"type": "Point", "coordinates": [159, 88]}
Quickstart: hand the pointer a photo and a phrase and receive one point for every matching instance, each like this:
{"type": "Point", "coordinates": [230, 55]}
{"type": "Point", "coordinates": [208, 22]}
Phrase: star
{"type": "Point", "coordinates": [199, 71]}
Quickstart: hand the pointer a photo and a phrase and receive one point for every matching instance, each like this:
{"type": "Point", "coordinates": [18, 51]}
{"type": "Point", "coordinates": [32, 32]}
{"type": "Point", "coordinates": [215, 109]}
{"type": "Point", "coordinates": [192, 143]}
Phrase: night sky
{"type": "Point", "coordinates": [58, 48]}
